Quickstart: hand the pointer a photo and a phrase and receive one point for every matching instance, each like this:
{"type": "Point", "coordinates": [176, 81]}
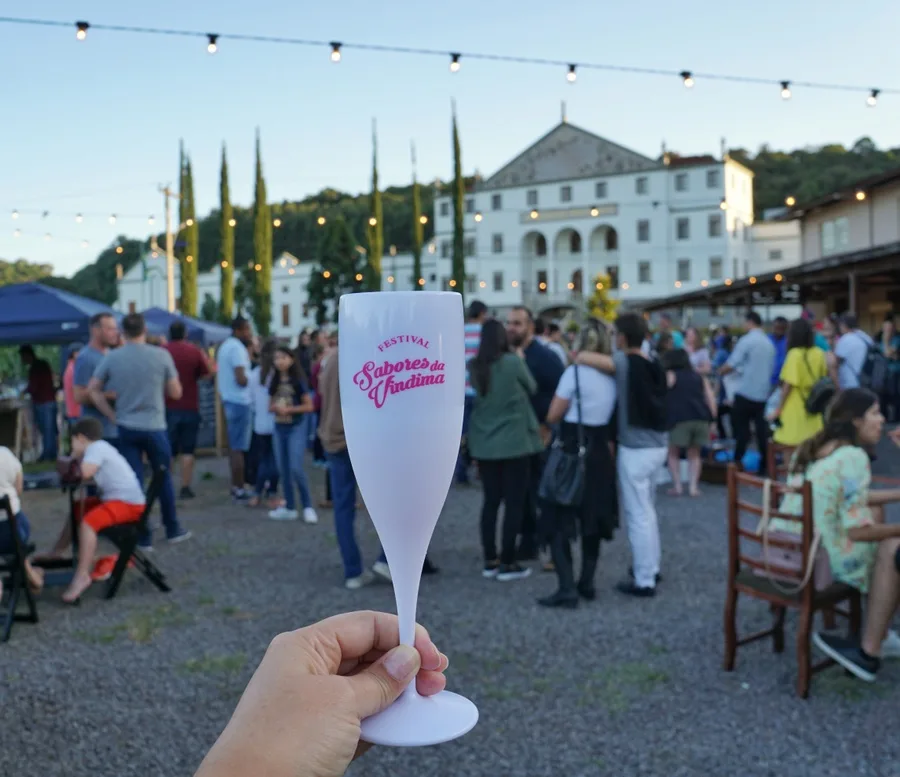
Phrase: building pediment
{"type": "Point", "coordinates": [565, 153]}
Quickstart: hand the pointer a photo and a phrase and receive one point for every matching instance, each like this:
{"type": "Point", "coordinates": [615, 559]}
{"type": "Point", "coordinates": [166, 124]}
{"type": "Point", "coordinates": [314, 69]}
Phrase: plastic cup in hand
{"type": "Point", "coordinates": [402, 383]}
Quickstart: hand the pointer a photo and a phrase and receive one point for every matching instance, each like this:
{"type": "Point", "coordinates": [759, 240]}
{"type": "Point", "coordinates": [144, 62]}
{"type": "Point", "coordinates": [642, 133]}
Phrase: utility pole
{"type": "Point", "coordinates": [168, 194]}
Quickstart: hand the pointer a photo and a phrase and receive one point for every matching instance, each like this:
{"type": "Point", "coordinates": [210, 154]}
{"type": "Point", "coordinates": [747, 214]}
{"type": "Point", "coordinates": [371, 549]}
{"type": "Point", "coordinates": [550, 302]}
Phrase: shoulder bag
{"type": "Point", "coordinates": [562, 481]}
{"type": "Point", "coordinates": [821, 392]}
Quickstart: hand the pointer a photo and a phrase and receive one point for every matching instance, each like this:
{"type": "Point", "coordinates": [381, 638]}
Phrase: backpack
{"type": "Point", "coordinates": [875, 374]}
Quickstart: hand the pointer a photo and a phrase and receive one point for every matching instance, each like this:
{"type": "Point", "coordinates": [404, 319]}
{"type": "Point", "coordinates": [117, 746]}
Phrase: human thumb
{"type": "Point", "coordinates": [379, 685]}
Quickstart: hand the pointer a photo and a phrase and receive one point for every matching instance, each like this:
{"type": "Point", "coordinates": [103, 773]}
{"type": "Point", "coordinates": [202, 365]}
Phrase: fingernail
{"type": "Point", "coordinates": [401, 662]}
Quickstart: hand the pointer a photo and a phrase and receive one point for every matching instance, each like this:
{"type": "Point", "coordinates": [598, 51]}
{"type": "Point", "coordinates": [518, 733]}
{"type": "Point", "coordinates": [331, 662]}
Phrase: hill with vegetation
{"type": "Point", "coordinates": [805, 173]}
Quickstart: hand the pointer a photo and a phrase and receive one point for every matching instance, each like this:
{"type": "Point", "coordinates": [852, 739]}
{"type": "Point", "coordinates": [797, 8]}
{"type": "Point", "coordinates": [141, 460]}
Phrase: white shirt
{"type": "Point", "coordinates": [232, 354]}
{"type": "Point", "coordinates": [852, 350]}
{"type": "Point", "coordinates": [598, 395]}
{"type": "Point", "coordinates": [115, 478]}
{"type": "Point", "coordinates": [699, 358]}
{"type": "Point", "coordinates": [558, 350]}
{"type": "Point", "coordinates": [10, 469]}
{"type": "Point", "coordinates": [263, 420]}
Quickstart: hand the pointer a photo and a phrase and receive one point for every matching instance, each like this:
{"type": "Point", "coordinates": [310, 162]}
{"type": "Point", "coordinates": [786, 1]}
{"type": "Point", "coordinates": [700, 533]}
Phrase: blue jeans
{"type": "Point", "coordinates": [45, 420]}
{"type": "Point", "coordinates": [343, 495]}
{"type": "Point", "coordinates": [266, 468]}
{"type": "Point", "coordinates": [464, 460]}
{"type": "Point", "coordinates": [133, 444]}
{"type": "Point", "coordinates": [238, 422]}
{"type": "Point", "coordinates": [290, 450]}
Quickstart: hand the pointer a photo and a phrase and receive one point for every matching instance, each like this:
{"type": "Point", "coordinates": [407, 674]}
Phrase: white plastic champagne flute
{"type": "Point", "coordinates": [402, 381]}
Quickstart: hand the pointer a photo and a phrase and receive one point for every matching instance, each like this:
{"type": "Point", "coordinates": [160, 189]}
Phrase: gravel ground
{"type": "Point", "coordinates": [142, 685]}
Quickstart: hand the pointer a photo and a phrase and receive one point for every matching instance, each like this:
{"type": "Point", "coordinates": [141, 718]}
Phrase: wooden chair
{"type": "Point", "coordinates": [778, 458]}
{"type": "Point", "coordinates": [749, 575]}
{"type": "Point", "coordinates": [15, 578]}
{"type": "Point", "coordinates": [125, 537]}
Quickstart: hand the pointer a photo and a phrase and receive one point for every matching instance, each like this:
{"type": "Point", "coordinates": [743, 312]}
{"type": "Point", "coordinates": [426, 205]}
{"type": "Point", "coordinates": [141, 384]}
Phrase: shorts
{"type": "Point", "coordinates": [7, 546]}
{"type": "Point", "coordinates": [183, 426]}
{"type": "Point", "coordinates": [101, 515]}
{"type": "Point", "coordinates": [689, 434]}
{"type": "Point", "coordinates": [237, 422]}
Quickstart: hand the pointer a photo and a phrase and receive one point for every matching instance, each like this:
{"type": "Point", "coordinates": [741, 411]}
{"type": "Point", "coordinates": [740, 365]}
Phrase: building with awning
{"type": "Point", "coordinates": [850, 260]}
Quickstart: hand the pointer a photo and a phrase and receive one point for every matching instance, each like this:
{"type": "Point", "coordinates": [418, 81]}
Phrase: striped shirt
{"type": "Point", "coordinates": [472, 339]}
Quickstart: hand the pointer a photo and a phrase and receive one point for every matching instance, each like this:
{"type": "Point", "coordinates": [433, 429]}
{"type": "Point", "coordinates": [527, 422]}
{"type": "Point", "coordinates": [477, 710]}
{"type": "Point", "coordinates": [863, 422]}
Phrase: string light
{"type": "Point", "coordinates": [359, 276]}
{"type": "Point", "coordinates": [373, 221]}
{"type": "Point", "coordinates": [257, 267]}
{"type": "Point", "coordinates": [48, 236]}
{"type": "Point", "coordinates": [321, 221]}
{"type": "Point", "coordinates": [515, 284]}
{"type": "Point", "coordinates": [421, 281]}
{"type": "Point", "coordinates": [454, 63]}
{"type": "Point", "coordinates": [478, 217]}
{"type": "Point", "coordinates": [291, 271]}
{"type": "Point", "coordinates": [571, 75]}
{"type": "Point", "coordinates": [189, 222]}
{"type": "Point", "coordinates": [779, 277]}
{"type": "Point", "coordinates": [785, 90]}
{"type": "Point", "coordinates": [723, 205]}
{"type": "Point", "coordinates": [17, 233]}
{"type": "Point", "coordinates": [860, 195]}
{"type": "Point", "coordinates": [390, 278]}
{"type": "Point", "coordinates": [625, 287]}
{"type": "Point", "coordinates": [15, 215]}
{"type": "Point", "coordinates": [482, 284]}
{"type": "Point", "coordinates": [704, 283]}
{"type": "Point", "coordinates": [677, 284]}
{"type": "Point", "coordinates": [728, 281]}
{"type": "Point", "coordinates": [326, 274]}
{"type": "Point", "coordinates": [190, 259]}
{"type": "Point", "coordinates": [112, 218]}
{"type": "Point", "coordinates": [232, 222]}
{"type": "Point", "coordinates": [595, 211]}
{"type": "Point", "coordinates": [452, 283]}
{"type": "Point", "coordinates": [120, 250]}
{"type": "Point", "coordinates": [686, 76]}
{"type": "Point", "coordinates": [78, 218]}
{"type": "Point", "coordinates": [790, 201]}
{"type": "Point", "coordinates": [423, 219]}
{"type": "Point", "coordinates": [276, 223]}
{"type": "Point", "coordinates": [224, 264]}
{"type": "Point", "coordinates": [84, 243]}
{"type": "Point", "coordinates": [599, 287]}
{"type": "Point", "coordinates": [212, 48]}
{"type": "Point", "coordinates": [533, 215]}
{"type": "Point", "coordinates": [752, 279]}
{"type": "Point", "coordinates": [151, 220]}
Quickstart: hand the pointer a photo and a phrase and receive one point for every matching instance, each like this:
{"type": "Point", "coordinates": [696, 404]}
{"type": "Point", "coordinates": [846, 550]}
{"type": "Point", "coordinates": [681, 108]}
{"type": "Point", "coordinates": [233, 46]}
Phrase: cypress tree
{"type": "Point", "coordinates": [340, 268]}
{"type": "Point", "coordinates": [190, 257]}
{"type": "Point", "coordinates": [226, 241]}
{"type": "Point", "coordinates": [376, 230]}
{"type": "Point", "coordinates": [418, 234]}
{"type": "Point", "coordinates": [458, 269]}
{"type": "Point", "coordinates": [262, 249]}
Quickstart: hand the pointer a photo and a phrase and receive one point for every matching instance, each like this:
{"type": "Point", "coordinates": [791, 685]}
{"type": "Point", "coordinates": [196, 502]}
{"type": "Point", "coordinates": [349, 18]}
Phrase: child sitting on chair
{"type": "Point", "coordinates": [11, 484]}
{"type": "Point", "coordinates": [121, 497]}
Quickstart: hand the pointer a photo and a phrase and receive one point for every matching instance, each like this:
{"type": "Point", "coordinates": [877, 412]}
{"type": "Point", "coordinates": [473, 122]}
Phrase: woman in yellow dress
{"type": "Point", "coordinates": [804, 366]}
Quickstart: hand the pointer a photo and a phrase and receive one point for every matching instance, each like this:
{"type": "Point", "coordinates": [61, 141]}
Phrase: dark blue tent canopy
{"type": "Point", "coordinates": [38, 314]}
{"type": "Point", "coordinates": [203, 332]}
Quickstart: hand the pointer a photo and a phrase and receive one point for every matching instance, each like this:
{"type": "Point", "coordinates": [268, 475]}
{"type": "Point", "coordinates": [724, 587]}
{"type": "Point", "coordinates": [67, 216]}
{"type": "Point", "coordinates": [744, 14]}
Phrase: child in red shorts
{"type": "Point", "coordinates": [121, 497]}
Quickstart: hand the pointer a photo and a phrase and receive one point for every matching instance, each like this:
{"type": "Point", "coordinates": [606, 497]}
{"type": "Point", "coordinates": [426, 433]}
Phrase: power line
{"type": "Point", "coordinates": [456, 58]}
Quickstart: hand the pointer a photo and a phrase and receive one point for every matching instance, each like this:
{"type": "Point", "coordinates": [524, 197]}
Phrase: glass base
{"type": "Point", "coordinates": [416, 721]}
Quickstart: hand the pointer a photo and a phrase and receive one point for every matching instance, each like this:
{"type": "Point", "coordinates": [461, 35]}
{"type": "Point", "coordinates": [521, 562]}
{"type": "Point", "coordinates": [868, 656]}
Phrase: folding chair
{"type": "Point", "coordinates": [750, 574]}
{"type": "Point", "coordinates": [125, 537]}
{"type": "Point", "coordinates": [15, 579]}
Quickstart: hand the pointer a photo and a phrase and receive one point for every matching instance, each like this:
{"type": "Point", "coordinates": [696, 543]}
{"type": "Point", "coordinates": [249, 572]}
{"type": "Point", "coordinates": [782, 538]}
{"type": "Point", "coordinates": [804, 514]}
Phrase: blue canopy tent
{"type": "Point", "coordinates": [202, 332]}
{"type": "Point", "coordinates": [43, 315]}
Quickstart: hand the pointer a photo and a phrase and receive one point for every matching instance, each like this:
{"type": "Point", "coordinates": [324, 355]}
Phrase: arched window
{"type": "Point", "coordinates": [540, 246]}
{"type": "Point", "coordinates": [612, 240]}
{"type": "Point", "coordinates": [574, 243]}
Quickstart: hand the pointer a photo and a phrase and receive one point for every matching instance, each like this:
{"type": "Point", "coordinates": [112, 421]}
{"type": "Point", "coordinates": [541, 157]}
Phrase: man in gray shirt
{"type": "Point", "coordinates": [753, 359]}
{"type": "Point", "coordinates": [104, 335]}
{"type": "Point", "coordinates": [643, 444]}
{"type": "Point", "coordinates": [141, 376]}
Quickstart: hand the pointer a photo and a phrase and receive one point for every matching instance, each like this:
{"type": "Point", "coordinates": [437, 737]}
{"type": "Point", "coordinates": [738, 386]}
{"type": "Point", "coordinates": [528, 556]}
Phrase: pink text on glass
{"type": "Point", "coordinates": [380, 381]}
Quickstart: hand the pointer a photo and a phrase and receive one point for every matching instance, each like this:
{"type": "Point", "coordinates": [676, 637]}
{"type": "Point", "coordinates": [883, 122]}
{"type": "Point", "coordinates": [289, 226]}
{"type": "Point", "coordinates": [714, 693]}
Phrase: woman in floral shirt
{"type": "Point", "coordinates": [864, 551]}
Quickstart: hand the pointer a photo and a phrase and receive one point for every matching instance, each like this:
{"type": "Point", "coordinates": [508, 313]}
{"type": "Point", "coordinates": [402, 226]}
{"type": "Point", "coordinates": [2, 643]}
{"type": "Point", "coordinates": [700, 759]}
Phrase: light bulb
{"type": "Point", "coordinates": [515, 284]}
{"type": "Point", "coordinates": [595, 212]}
{"type": "Point", "coordinates": [84, 243]}
{"type": "Point", "coordinates": [677, 284]}
{"type": "Point", "coordinates": [81, 30]}
{"type": "Point", "coordinates": [189, 222]}
{"type": "Point", "coordinates": [790, 201]}
{"type": "Point", "coordinates": [872, 99]}
{"type": "Point", "coordinates": [704, 283]}
{"type": "Point", "coordinates": [625, 287]}
{"type": "Point", "coordinates": [291, 271]}
{"type": "Point", "coordinates": [723, 205]}
{"type": "Point", "coordinates": [483, 284]}
{"type": "Point", "coordinates": [15, 215]}
{"type": "Point", "coordinates": [321, 221]}
{"type": "Point", "coordinates": [276, 223]}
{"type": "Point", "coordinates": [452, 283]}
{"type": "Point", "coordinates": [48, 236]}
{"type": "Point", "coordinates": [326, 274]}
{"type": "Point", "coordinates": [478, 217]}
{"type": "Point", "coordinates": [421, 281]}
{"type": "Point", "coordinates": [224, 264]}
{"type": "Point", "coordinates": [860, 195]}
{"type": "Point", "coordinates": [212, 48]}
{"type": "Point", "coordinates": [78, 218]}
{"type": "Point", "coordinates": [257, 267]}
{"type": "Point", "coordinates": [359, 276]}
{"type": "Point", "coordinates": [728, 281]}
{"type": "Point", "coordinates": [752, 279]}
{"type": "Point", "coordinates": [599, 287]}
{"type": "Point", "coordinates": [232, 222]}
{"type": "Point", "coordinates": [785, 90]}
{"type": "Point", "coordinates": [779, 277]}
{"type": "Point", "coordinates": [423, 219]}
{"type": "Point", "coordinates": [571, 75]}
{"type": "Point", "coordinates": [390, 278]}
{"type": "Point", "coordinates": [17, 233]}
{"type": "Point", "coordinates": [534, 214]}
{"type": "Point", "coordinates": [119, 250]}
{"type": "Point", "coordinates": [188, 258]}
{"type": "Point", "coordinates": [687, 78]}
{"type": "Point", "coordinates": [373, 221]}
{"type": "Point", "coordinates": [454, 63]}
{"type": "Point", "coordinates": [112, 218]}
{"type": "Point", "coordinates": [335, 51]}
{"type": "Point", "coordinates": [151, 220]}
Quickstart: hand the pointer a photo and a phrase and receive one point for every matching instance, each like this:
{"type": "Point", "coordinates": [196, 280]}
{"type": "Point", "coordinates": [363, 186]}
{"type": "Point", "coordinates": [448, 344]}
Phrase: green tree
{"type": "Point", "coordinates": [190, 235]}
{"type": "Point", "coordinates": [458, 268]}
{"type": "Point", "coordinates": [243, 292]}
{"type": "Point", "coordinates": [226, 249]}
{"type": "Point", "coordinates": [375, 232]}
{"type": "Point", "coordinates": [341, 270]}
{"type": "Point", "coordinates": [600, 305]}
{"type": "Point", "coordinates": [209, 310]}
{"type": "Point", "coordinates": [262, 250]}
{"type": "Point", "coordinates": [418, 228]}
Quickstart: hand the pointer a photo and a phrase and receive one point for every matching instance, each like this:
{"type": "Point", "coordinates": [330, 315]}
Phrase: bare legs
{"type": "Point", "coordinates": [237, 469]}
{"type": "Point", "coordinates": [695, 467]}
{"type": "Point", "coordinates": [675, 470]}
{"type": "Point", "coordinates": [81, 581]}
{"type": "Point", "coordinates": [187, 470]}
{"type": "Point", "coordinates": [884, 596]}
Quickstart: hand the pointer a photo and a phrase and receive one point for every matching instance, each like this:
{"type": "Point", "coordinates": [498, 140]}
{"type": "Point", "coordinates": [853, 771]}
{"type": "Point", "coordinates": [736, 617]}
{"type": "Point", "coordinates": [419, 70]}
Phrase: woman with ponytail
{"type": "Point", "coordinates": [863, 550]}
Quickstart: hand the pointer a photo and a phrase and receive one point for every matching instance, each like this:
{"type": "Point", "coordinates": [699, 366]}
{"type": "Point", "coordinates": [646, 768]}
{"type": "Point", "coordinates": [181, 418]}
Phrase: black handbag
{"type": "Point", "coordinates": [562, 481]}
{"type": "Point", "coordinates": [821, 393]}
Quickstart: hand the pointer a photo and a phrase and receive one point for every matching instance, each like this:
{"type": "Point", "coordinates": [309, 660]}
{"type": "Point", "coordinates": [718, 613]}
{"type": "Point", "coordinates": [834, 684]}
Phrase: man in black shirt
{"type": "Point", "coordinates": [547, 369]}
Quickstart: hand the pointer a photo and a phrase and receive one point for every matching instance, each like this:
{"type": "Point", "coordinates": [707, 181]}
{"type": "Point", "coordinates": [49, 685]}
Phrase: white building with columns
{"type": "Point", "coordinates": [575, 205]}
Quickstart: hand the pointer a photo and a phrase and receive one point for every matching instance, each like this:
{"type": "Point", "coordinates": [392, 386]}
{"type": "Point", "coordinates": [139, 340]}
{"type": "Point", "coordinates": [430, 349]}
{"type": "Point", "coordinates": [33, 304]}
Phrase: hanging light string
{"type": "Point", "coordinates": [111, 218]}
{"type": "Point", "coordinates": [336, 49]}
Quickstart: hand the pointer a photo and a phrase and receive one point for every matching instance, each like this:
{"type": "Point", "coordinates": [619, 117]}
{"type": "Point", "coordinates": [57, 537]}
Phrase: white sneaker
{"type": "Point", "coordinates": [890, 648]}
{"type": "Point", "coordinates": [283, 514]}
{"type": "Point", "coordinates": [309, 515]}
{"type": "Point", "coordinates": [383, 571]}
{"type": "Point", "coordinates": [355, 583]}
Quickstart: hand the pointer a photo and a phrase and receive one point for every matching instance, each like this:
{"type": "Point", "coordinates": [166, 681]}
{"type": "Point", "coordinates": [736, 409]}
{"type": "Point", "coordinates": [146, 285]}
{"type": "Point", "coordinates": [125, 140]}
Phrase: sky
{"type": "Point", "coordinates": [93, 127]}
